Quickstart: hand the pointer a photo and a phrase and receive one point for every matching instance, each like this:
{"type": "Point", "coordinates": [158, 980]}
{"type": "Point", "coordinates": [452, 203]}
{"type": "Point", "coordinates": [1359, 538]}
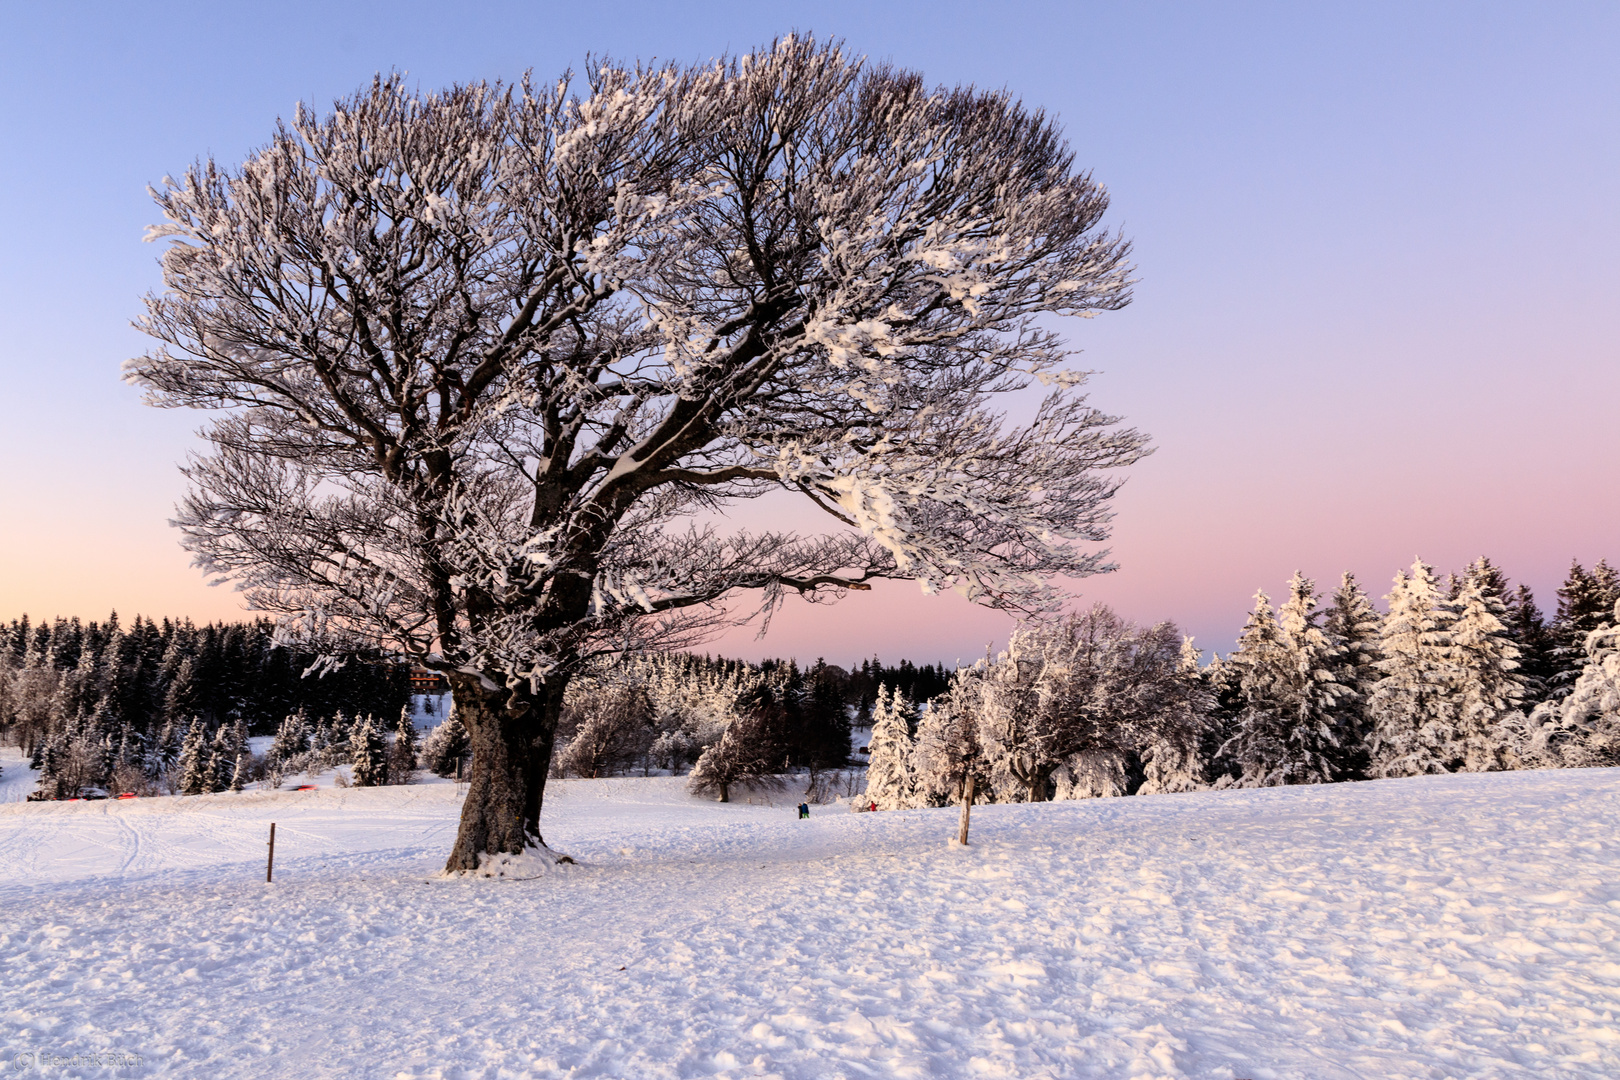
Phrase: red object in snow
{"type": "Point", "coordinates": [305, 787]}
{"type": "Point", "coordinates": [128, 795]}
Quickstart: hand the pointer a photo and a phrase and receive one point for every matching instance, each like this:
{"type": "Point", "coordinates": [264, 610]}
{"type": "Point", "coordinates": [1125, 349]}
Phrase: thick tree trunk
{"type": "Point", "coordinates": [1038, 779]}
{"type": "Point", "coordinates": [512, 733]}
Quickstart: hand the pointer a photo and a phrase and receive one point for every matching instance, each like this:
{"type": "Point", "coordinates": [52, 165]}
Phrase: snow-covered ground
{"type": "Point", "coordinates": [1461, 926]}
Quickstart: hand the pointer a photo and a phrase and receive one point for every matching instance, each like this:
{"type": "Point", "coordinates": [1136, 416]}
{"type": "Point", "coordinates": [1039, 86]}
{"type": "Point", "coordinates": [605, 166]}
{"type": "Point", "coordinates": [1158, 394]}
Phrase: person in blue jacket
{"type": "Point", "coordinates": [804, 810]}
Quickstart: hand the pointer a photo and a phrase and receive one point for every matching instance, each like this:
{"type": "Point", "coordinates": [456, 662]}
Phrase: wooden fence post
{"type": "Point", "coordinates": [270, 865]}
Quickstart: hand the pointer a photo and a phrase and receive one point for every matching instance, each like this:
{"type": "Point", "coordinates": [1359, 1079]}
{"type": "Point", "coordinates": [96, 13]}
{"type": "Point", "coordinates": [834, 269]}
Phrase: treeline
{"type": "Point", "coordinates": [85, 700]}
{"type": "Point", "coordinates": [1465, 675]}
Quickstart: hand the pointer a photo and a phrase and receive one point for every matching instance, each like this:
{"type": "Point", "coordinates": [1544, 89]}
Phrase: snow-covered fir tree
{"type": "Point", "coordinates": [220, 760]}
{"type": "Point", "coordinates": [1414, 704]}
{"type": "Point", "coordinates": [889, 779]}
{"type": "Point", "coordinates": [292, 737]}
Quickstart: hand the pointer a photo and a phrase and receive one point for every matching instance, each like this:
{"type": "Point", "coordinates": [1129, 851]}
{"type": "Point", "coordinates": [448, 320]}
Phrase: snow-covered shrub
{"type": "Point", "coordinates": [131, 779]}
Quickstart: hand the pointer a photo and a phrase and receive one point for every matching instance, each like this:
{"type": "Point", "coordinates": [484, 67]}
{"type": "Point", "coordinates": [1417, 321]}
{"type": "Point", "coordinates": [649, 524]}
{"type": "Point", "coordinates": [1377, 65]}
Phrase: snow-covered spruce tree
{"type": "Point", "coordinates": [481, 356]}
{"type": "Point", "coordinates": [1583, 729]}
{"type": "Point", "coordinates": [1352, 623]}
{"type": "Point", "coordinates": [195, 777]}
{"type": "Point", "coordinates": [1414, 704]}
{"type": "Point", "coordinates": [368, 746]}
{"type": "Point", "coordinates": [402, 754]}
{"type": "Point", "coordinates": [292, 737]}
{"type": "Point", "coordinates": [1255, 668]}
{"type": "Point", "coordinates": [1289, 672]}
{"type": "Point", "coordinates": [1530, 632]}
{"type": "Point", "coordinates": [889, 779]}
{"type": "Point", "coordinates": [1489, 689]}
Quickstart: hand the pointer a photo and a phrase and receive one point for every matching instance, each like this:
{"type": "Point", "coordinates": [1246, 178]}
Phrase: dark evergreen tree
{"type": "Point", "coordinates": [1530, 632]}
{"type": "Point", "coordinates": [1353, 623]}
{"type": "Point", "coordinates": [1585, 603]}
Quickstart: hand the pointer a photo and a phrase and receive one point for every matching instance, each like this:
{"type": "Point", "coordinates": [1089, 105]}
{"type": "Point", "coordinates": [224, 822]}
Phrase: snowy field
{"type": "Point", "coordinates": [1463, 926]}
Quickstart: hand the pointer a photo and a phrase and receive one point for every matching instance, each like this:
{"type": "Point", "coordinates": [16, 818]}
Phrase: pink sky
{"type": "Point", "coordinates": [1379, 253]}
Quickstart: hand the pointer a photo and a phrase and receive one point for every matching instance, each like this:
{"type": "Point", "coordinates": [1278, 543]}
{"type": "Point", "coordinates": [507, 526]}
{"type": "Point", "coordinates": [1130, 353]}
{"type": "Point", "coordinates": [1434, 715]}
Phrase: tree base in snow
{"type": "Point", "coordinates": [532, 862]}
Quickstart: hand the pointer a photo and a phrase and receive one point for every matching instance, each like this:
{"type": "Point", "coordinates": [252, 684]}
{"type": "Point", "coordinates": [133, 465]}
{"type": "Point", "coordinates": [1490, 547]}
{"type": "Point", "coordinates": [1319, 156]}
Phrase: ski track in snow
{"type": "Point", "coordinates": [1461, 926]}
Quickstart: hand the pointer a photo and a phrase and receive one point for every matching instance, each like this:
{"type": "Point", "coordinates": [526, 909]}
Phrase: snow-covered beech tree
{"type": "Point", "coordinates": [1084, 695]}
{"type": "Point", "coordinates": [1414, 705]}
{"type": "Point", "coordinates": [750, 753]}
{"type": "Point", "coordinates": [607, 724]}
{"type": "Point", "coordinates": [485, 359]}
{"type": "Point", "coordinates": [1288, 671]}
{"type": "Point", "coordinates": [889, 779]}
{"type": "Point", "coordinates": [947, 750]}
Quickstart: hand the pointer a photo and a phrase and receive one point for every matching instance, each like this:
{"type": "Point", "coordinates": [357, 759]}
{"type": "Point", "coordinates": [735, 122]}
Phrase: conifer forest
{"type": "Point", "coordinates": [1460, 673]}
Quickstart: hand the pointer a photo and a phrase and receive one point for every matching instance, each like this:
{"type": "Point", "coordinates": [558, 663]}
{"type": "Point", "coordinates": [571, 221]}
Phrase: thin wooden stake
{"type": "Point", "coordinates": [967, 807]}
{"type": "Point", "coordinates": [270, 866]}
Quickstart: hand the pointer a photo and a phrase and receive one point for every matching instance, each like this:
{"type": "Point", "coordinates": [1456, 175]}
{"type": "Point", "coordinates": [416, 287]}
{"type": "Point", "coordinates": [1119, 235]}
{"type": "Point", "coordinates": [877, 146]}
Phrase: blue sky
{"type": "Point", "coordinates": [1379, 251]}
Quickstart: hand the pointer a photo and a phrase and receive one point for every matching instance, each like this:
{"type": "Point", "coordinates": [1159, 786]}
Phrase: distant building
{"type": "Point", "coordinates": [424, 681]}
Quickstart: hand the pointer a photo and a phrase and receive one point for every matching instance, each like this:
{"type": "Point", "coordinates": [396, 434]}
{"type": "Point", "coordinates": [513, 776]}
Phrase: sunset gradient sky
{"type": "Point", "coordinates": [1378, 246]}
